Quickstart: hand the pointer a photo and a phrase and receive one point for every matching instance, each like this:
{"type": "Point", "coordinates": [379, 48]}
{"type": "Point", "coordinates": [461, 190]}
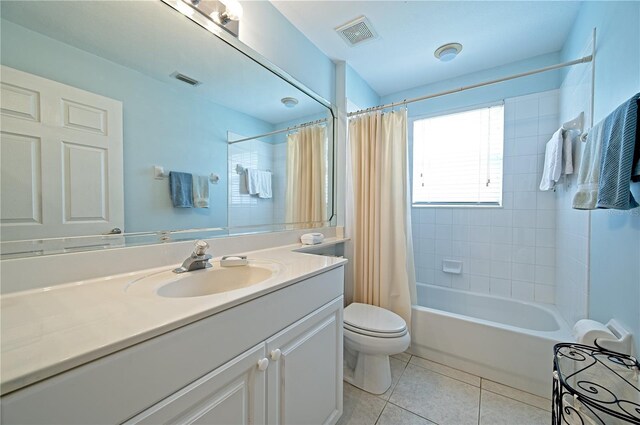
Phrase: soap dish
{"type": "Point", "coordinates": [234, 261]}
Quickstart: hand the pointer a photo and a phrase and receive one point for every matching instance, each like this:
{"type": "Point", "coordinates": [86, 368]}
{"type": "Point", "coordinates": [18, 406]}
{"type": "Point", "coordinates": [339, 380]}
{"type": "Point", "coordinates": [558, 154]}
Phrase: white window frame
{"type": "Point", "coordinates": [420, 204]}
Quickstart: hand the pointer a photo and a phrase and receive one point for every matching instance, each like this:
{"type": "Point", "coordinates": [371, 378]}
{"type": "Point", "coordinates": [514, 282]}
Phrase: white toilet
{"type": "Point", "coordinates": [371, 335]}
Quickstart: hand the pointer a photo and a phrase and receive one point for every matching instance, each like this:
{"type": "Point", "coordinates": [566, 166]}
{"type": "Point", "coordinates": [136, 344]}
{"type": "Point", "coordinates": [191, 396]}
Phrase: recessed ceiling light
{"type": "Point", "coordinates": [289, 102]}
{"type": "Point", "coordinates": [448, 52]}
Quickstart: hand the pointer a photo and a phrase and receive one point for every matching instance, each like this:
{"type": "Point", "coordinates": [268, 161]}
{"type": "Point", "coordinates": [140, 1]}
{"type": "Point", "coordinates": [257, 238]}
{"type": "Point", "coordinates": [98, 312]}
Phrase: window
{"type": "Point", "coordinates": [457, 158]}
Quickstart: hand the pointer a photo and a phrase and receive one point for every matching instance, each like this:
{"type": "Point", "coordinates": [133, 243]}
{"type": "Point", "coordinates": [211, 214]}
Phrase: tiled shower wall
{"type": "Point", "coordinates": [247, 212]}
{"type": "Point", "coordinates": [572, 231]}
{"type": "Point", "coordinates": [508, 251]}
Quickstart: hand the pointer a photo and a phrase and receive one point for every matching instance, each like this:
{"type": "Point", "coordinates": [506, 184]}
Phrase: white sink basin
{"type": "Point", "coordinates": [199, 283]}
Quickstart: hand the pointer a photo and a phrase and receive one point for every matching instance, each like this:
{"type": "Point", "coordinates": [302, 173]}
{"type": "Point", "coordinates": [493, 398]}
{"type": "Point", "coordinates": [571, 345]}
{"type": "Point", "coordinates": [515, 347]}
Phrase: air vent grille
{"type": "Point", "coordinates": [357, 31]}
{"type": "Point", "coordinates": [185, 79]}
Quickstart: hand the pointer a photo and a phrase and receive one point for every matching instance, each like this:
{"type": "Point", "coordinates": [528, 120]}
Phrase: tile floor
{"type": "Point", "coordinates": [428, 393]}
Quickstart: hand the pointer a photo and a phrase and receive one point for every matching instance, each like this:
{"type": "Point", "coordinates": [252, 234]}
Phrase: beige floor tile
{"type": "Point", "coordinates": [397, 367]}
{"type": "Point", "coordinates": [360, 407]}
{"type": "Point", "coordinates": [499, 410]}
{"type": "Point", "coordinates": [436, 397]}
{"type": "Point", "coordinates": [446, 370]}
{"type": "Point", "coordinates": [394, 415]}
{"type": "Point", "coordinates": [404, 357]}
{"type": "Point", "coordinates": [525, 397]}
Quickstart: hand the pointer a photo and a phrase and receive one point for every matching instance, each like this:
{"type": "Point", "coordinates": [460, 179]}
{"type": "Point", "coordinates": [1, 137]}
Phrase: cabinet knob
{"type": "Point", "coordinates": [263, 364]}
{"type": "Point", "coordinates": [275, 354]}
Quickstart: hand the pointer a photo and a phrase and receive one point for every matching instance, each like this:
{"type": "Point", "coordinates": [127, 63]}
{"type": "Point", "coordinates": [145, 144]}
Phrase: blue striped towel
{"type": "Point", "coordinates": [616, 162]}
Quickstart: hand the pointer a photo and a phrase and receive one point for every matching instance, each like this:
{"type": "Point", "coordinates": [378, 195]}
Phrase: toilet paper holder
{"type": "Point", "coordinates": [612, 336]}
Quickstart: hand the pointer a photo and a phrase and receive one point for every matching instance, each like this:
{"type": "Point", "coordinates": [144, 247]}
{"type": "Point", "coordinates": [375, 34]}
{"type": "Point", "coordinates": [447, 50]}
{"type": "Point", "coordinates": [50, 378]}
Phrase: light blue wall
{"type": "Point", "coordinates": [359, 93]}
{"type": "Point", "coordinates": [190, 129]}
{"type": "Point", "coordinates": [267, 31]}
{"type": "Point", "coordinates": [615, 236]}
{"type": "Point", "coordinates": [518, 87]}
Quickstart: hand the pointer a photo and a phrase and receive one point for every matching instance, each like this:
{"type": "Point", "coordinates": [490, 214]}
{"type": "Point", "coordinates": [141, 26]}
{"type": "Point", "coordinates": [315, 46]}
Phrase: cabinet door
{"type": "Point", "coordinates": [304, 379]}
{"type": "Point", "coordinates": [231, 394]}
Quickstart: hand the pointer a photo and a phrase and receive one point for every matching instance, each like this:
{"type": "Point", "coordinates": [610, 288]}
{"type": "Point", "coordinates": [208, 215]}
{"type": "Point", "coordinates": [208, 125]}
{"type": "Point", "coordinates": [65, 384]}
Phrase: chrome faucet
{"type": "Point", "coordinates": [197, 260]}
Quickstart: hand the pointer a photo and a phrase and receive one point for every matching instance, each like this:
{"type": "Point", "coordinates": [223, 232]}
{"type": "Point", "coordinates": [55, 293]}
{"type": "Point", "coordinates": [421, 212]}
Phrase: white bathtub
{"type": "Point", "coordinates": [501, 339]}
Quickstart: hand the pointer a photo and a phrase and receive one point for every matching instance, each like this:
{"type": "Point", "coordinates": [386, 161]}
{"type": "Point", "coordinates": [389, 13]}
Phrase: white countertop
{"type": "Point", "coordinates": [50, 330]}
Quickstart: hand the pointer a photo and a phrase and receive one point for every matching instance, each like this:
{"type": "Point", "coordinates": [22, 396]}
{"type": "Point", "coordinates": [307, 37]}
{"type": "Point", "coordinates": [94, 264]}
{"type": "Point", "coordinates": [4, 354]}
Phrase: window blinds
{"type": "Point", "coordinates": [457, 158]}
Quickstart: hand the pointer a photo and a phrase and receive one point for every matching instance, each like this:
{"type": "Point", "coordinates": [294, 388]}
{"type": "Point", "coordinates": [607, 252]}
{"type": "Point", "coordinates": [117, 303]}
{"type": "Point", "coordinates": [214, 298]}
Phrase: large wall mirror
{"type": "Point", "coordinates": [128, 123]}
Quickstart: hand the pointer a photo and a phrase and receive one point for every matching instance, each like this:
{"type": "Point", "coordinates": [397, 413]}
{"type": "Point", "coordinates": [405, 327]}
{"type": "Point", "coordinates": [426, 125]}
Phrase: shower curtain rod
{"type": "Point", "coordinates": [584, 59]}
{"type": "Point", "coordinates": [306, 124]}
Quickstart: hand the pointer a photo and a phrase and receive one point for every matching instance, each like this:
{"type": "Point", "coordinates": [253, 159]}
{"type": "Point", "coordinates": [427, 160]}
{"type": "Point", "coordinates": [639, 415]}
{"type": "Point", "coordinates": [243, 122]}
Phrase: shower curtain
{"type": "Point", "coordinates": [378, 218]}
{"type": "Point", "coordinates": [306, 187]}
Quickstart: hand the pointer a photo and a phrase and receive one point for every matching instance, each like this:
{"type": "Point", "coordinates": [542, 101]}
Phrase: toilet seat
{"type": "Point", "coordinates": [373, 321]}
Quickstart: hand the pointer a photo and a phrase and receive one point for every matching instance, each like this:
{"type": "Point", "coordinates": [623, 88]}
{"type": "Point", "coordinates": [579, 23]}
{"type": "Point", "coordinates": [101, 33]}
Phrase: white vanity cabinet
{"type": "Point", "coordinates": [276, 359]}
{"type": "Point", "coordinates": [304, 379]}
{"type": "Point", "coordinates": [300, 372]}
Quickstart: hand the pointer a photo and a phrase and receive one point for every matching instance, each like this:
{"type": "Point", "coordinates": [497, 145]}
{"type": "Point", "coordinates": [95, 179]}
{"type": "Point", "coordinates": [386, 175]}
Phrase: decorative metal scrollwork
{"type": "Point", "coordinates": [593, 386]}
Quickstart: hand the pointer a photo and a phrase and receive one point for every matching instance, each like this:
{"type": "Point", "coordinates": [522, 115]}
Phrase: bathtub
{"type": "Point", "coordinates": [501, 339]}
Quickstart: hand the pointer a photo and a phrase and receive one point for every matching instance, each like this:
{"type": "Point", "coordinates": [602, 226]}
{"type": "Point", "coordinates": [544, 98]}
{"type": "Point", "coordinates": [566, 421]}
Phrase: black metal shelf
{"type": "Point", "coordinates": [593, 386]}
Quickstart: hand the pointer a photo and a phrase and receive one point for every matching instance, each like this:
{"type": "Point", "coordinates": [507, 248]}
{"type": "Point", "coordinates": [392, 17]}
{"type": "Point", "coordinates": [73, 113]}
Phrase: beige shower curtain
{"type": "Point", "coordinates": [378, 217]}
{"type": "Point", "coordinates": [306, 189]}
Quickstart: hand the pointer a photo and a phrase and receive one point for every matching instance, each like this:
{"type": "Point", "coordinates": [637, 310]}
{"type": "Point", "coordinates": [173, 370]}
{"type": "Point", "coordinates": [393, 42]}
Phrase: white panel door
{"type": "Point", "coordinates": [304, 379]}
{"type": "Point", "coordinates": [61, 149]}
{"type": "Point", "coordinates": [233, 394]}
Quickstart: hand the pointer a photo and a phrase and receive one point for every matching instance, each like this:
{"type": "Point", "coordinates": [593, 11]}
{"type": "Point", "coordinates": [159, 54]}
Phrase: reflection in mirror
{"type": "Point", "coordinates": [103, 108]}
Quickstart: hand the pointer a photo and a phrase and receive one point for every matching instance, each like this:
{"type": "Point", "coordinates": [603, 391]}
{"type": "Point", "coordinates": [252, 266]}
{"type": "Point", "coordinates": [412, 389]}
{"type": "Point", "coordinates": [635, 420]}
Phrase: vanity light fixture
{"type": "Point", "coordinates": [289, 102]}
{"type": "Point", "coordinates": [224, 13]}
{"type": "Point", "coordinates": [448, 52]}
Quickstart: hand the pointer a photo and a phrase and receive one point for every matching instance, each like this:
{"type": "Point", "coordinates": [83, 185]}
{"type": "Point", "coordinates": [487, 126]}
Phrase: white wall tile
{"type": "Point", "coordinates": [480, 284]}
{"type": "Point", "coordinates": [507, 251]}
{"type": "Point", "coordinates": [544, 294]}
{"type": "Point", "coordinates": [443, 216]}
{"type": "Point", "coordinates": [501, 269]}
{"type": "Point", "coordinates": [500, 287]}
{"type": "Point", "coordinates": [523, 272]}
{"type": "Point", "coordinates": [545, 256]}
{"type": "Point", "coordinates": [524, 236]}
{"type": "Point", "coordinates": [523, 254]}
{"type": "Point", "coordinates": [524, 201]}
{"type": "Point", "coordinates": [522, 290]}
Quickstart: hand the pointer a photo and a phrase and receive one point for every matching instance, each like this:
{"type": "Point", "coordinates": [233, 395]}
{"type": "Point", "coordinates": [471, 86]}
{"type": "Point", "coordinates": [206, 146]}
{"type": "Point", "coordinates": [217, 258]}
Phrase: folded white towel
{"type": "Point", "coordinates": [200, 191]}
{"type": "Point", "coordinates": [589, 171]}
{"type": "Point", "coordinates": [552, 161]}
{"type": "Point", "coordinates": [259, 183]}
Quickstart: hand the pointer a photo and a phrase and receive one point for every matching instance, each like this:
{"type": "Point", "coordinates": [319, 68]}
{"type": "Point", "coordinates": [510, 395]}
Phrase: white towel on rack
{"type": "Point", "coordinates": [589, 172]}
{"type": "Point", "coordinates": [259, 183]}
{"type": "Point", "coordinates": [552, 161]}
{"type": "Point", "coordinates": [200, 191]}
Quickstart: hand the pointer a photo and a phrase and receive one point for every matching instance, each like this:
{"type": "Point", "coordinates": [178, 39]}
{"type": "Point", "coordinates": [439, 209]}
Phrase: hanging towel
{"type": "Point", "coordinates": [589, 171]}
{"type": "Point", "coordinates": [635, 173]}
{"type": "Point", "coordinates": [552, 161]}
{"type": "Point", "coordinates": [259, 183]}
{"type": "Point", "coordinates": [618, 147]}
{"type": "Point", "coordinates": [252, 181]}
{"type": "Point", "coordinates": [567, 153]}
{"type": "Point", "coordinates": [200, 191]}
{"type": "Point", "coordinates": [181, 189]}
{"type": "Point", "coordinates": [264, 185]}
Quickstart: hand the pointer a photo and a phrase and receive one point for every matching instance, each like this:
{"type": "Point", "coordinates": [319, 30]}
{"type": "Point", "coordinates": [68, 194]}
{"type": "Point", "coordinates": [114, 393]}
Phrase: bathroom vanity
{"type": "Point", "coordinates": [101, 352]}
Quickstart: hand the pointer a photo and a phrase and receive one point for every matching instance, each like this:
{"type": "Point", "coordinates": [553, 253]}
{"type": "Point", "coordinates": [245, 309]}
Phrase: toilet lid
{"type": "Point", "coordinates": [372, 319]}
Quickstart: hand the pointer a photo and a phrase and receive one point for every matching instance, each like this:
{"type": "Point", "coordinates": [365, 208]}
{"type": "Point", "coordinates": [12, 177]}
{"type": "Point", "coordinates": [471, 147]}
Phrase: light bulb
{"type": "Point", "coordinates": [233, 9]}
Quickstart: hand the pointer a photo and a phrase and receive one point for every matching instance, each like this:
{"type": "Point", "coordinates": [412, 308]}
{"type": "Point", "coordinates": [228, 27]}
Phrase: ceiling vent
{"type": "Point", "coordinates": [357, 31]}
{"type": "Point", "coordinates": [181, 77]}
